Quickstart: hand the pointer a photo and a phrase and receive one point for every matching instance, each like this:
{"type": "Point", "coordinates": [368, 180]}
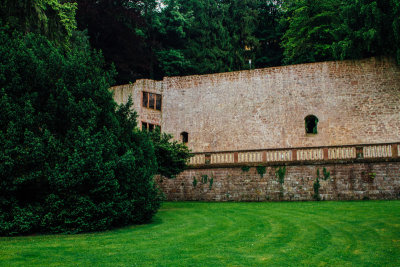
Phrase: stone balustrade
{"type": "Point", "coordinates": [279, 155]}
{"type": "Point", "coordinates": [293, 155]}
{"type": "Point", "coordinates": [198, 159]}
{"type": "Point", "coordinates": [310, 154]}
{"type": "Point", "coordinates": [222, 158]}
{"type": "Point", "coordinates": [342, 153]}
{"type": "Point", "coordinates": [250, 157]}
{"type": "Point", "coordinates": [378, 151]}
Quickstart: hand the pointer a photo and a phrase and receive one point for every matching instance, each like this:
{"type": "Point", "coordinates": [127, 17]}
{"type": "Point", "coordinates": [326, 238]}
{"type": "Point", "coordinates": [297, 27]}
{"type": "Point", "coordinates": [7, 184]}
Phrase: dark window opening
{"type": "Point", "coordinates": [184, 137]}
{"type": "Point", "coordinates": [150, 100]}
{"type": "Point", "coordinates": [158, 102]}
{"type": "Point", "coordinates": [149, 126]}
{"type": "Point", "coordinates": [311, 123]}
{"type": "Point", "coordinates": [145, 99]}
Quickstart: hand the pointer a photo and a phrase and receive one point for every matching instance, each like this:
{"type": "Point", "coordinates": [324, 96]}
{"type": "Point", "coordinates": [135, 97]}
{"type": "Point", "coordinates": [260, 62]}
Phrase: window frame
{"type": "Point", "coordinates": [149, 126]}
{"type": "Point", "coordinates": [307, 120]}
{"type": "Point", "coordinates": [184, 137]}
{"type": "Point", "coordinates": [157, 98]}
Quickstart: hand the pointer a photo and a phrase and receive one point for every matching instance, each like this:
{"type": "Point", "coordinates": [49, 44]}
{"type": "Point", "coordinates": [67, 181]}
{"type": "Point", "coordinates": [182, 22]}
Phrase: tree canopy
{"type": "Point", "coordinates": [71, 159]}
{"type": "Point", "coordinates": [52, 18]}
{"type": "Point", "coordinates": [146, 39]}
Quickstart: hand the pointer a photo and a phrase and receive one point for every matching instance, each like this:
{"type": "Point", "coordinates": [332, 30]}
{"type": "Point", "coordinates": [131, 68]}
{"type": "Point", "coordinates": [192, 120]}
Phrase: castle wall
{"type": "Point", "coordinates": [356, 102]}
{"type": "Point", "coordinates": [123, 92]}
{"type": "Point", "coordinates": [352, 181]}
{"type": "Point", "coordinates": [255, 119]}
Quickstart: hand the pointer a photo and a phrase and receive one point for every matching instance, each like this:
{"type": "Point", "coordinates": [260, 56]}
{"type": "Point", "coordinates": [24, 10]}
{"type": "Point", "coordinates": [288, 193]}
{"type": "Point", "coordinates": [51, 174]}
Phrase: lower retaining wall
{"type": "Point", "coordinates": [350, 181]}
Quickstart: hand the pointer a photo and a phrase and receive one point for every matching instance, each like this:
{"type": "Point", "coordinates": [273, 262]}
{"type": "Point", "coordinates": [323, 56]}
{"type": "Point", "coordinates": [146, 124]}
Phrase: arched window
{"type": "Point", "coordinates": [184, 137]}
{"type": "Point", "coordinates": [311, 124]}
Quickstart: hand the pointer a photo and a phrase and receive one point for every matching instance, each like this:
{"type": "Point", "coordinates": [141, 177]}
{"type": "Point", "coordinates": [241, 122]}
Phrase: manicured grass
{"type": "Point", "coordinates": [230, 234]}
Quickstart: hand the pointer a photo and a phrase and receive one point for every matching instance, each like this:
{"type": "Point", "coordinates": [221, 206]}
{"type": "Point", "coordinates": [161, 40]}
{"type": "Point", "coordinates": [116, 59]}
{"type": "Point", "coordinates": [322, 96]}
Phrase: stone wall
{"type": "Point", "coordinates": [123, 92]}
{"type": "Point", "coordinates": [351, 181]}
{"type": "Point", "coordinates": [256, 118]}
{"type": "Point", "coordinates": [356, 102]}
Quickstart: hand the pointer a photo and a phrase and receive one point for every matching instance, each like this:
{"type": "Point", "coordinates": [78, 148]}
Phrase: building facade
{"type": "Point", "coordinates": [340, 117]}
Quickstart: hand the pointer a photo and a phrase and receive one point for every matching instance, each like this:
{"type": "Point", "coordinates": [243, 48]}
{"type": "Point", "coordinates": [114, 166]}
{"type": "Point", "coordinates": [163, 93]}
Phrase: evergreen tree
{"type": "Point", "coordinates": [172, 34]}
{"type": "Point", "coordinates": [52, 18]}
{"type": "Point", "coordinates": [311, 31]}
{"type": "Point", "coordinates": [269, 33]}
{"type": "Point", "coordinates": [242, 21]}
{"type": "Point", "coordinates": [368, 28]}
{"type": "Point", "coordinates": [70, 159]}
{"type": "Point", "coordinates": [208, 44]}
{"type": "Point", "coordinates": [118, 29]}
{"type": "Point", "coordinates": [172, 156]}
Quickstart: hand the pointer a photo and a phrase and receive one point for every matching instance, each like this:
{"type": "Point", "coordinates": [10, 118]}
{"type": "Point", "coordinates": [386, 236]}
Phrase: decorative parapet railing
{"type": "Point", "coordinates": [198, 159]}
{"type": "Point", "coordinates": [342, 153]}
{"type": "Point", "coordinates": [250, 157]}
{"type": "Point", "coordinates": [222, 158]}
{"type": "Point", "coordinates": [297, 155]}
{"type": "Point", "coordinates": [310, 154]}
{"type": "Point", "coordinates": [278, 155]}
{"type": "Point", "coordinates": [378, 151]}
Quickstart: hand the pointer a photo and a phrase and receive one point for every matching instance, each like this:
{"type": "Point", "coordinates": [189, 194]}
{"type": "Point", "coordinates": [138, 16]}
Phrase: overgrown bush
{"type": "Point", "coordinates": [70, 159]}
{"type": "Point", "coordinates": [280, 173]}
{"type": "Point", "coordinates": [316, 187]}
{"type": "Point", "coordinates": [261, 170]}
{"type": "Point", "coordinates": [172, 156]}
{"type": "Point", "coordinates": [245, 168]}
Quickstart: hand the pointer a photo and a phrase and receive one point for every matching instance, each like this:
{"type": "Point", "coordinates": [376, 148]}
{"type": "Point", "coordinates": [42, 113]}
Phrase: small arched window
{"type": "Point", "coordinates": [184, 137]}
{"type": "Point", "coordinates": [311, 123]}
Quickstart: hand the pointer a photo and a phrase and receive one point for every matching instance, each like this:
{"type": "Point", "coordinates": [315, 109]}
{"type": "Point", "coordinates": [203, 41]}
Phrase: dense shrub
{"type": "Point", "coordinates": [172, 156]}
{"type": "Point", "coordinates": [70, 159]}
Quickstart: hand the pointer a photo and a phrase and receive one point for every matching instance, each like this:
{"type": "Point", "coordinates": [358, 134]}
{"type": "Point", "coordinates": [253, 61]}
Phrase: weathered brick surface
{"type": "Point", "coordinates": [346, 182]}
{"type": "Point", "coordinates": [123, 92]}
{"type": "Point", "coordinates": [357, 102]}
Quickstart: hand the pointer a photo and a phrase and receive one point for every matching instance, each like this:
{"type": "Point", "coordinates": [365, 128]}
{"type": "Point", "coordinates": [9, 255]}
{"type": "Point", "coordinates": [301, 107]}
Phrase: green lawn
{"type": "Point", "coordinates": [230, 234]}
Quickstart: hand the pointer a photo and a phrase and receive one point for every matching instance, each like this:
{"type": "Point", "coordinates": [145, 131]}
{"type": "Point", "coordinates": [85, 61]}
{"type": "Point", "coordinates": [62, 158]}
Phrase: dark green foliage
{"type": "Point", "coordinates": [368, 28]}
{"type": "Point", "coordinates": [117, 28]}
{"type": "Point", "coordinates": [52, 18]}
{"type": "Point", "coordinates": [204, 179]}
{"type": "Point", "coordinates": [172, 33]}
{"type": "Point", "coordinates": [211, 181]}
{"type": "Point", "coordinates": [245, 168]}
{"type": "Point", "coordinates": [311, 27]}
{"type": "Point", "coordinates": [224, 35]}
{"type": "Point", "coordinates": [70, 159]}
{"type": "Point", "coordinates": [261, 170]}
{"type": "Point", "coordinates": [269, 33]}
{"type": "Point", "coordinates": [280, 173]}
{"type": "Point", "coordinates": [208, 43]}
{"type": "Point", "coordinates": [172, 156]}
{"type": "Point", "coordinates": [316, 187]}
{"type": "Point", "coordinates": [346, 29]}
{"type": "Point", "coordinates": [194, 181]}
{"type": "Point", "coordinates": [183, 37]}
{"type": "Point", "coordinates": [326, 174]}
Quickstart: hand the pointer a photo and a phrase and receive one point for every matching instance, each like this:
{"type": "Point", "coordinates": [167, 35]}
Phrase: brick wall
{"type": "Point", "coordinates": [379, 180]}
{"type": "Point", "coordinates": [123, 92]}
{"type": "Point", "coordinates": [356, 102]}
